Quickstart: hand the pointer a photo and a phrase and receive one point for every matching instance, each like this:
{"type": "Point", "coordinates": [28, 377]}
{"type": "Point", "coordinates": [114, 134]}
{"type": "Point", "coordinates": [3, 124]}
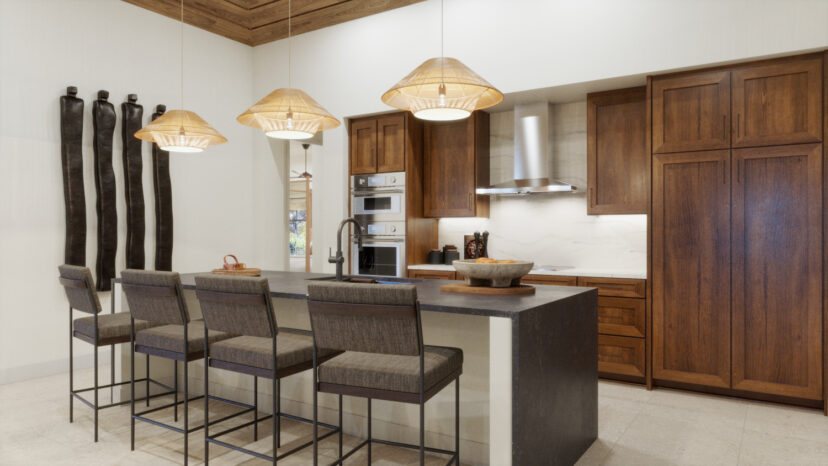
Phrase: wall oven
{"type": "Point", "coordinates": [378, 204]}
{"type": "Point", "coordinates": [378, 197]}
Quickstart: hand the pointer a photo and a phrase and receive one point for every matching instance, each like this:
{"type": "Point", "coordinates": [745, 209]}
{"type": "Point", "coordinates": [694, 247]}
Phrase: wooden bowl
{"type": "Point", "coordinates": [494, 275]}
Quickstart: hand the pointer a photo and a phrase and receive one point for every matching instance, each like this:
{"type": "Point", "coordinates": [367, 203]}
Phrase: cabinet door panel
{"type": "Point", "coordinates": [620, 355]}
{"type": "Point", "coordinates": [691, 268]}
{"type": "Point", "coordinates": [778, 103]}
{"type": "Point", "coordinates": [432, 274]}
{"type": "Point", "coordinates": [363, 147]}
{"type": "Point", "coordinates": [391, 143]}
{"type": "Point", "coordinates": [691, 112]}
{"type": "Point", "coordinates": [777, 270]}
{"type": "Point", "coordinates": [617, 158]}
{"type": "Point", "coordinates": [621, 316]}
{"type": "Point", "coordinates": [449, 167]}
{"type": "Point", "coordinates": [549, 280]}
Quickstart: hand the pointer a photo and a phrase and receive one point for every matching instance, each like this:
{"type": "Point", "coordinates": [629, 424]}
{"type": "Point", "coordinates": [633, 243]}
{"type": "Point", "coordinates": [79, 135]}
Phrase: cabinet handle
{"type": "Point", "coordinates": [738, 125]}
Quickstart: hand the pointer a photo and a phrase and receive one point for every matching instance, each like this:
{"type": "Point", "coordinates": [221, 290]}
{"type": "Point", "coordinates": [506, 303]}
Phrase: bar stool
{"type": "Point", "coordinates": [242, 306]}
{"type": "Point", "coordinates": [98, 330]}
{"type": "Point", "coordinates": [156, 297]}
{"type": "Point", "coordinates": [379, 329]}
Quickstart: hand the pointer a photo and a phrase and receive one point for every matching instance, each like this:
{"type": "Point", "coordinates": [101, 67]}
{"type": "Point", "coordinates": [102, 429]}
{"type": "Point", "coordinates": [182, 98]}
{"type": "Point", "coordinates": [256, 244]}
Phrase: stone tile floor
{"type": "Point", "coordinates": [636, 427]}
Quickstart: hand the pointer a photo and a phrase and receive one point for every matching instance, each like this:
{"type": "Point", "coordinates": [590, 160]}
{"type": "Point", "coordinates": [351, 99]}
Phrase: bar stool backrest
{"type": "Point", "coordinates": [80, 288]}
{"type": "Point", "coordinates": [155, 296]}
{"type": "Point", "coordinates": [365, 318]}
{"type": "Point", "coordinates": [236, 305]}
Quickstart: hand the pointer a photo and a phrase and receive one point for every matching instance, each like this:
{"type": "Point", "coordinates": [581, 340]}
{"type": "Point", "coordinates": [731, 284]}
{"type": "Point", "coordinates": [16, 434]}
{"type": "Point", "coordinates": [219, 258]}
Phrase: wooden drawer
{"type": "Point", "coordinates": [621, 316]}
{"type": "Point", "coordinates": [432, 274]}
{"type": "Point", "coordinates": [618, 287]}
{"type": "Point", "coordinates": [621, 355]}
{"type": "Point", "coordinates": [549, 280]}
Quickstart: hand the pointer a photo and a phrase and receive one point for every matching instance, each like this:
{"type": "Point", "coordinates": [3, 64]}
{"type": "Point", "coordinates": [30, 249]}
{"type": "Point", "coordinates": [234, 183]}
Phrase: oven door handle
{"type": "Point", "coordinates": [370, 240]}
{"type": "Point", "coordinates": [378, 192]}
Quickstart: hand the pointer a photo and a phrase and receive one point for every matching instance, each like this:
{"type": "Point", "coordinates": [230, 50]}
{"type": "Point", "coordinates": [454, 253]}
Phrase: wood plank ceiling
{"type": "Point", "coordinates": [256, 22]}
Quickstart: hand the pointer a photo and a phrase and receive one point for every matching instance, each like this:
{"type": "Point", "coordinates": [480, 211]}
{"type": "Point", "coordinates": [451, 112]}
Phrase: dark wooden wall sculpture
{"type": "Point", "coordinates": [103, 120]}
{"type": "Point", "coordinates": [71, 154]}
{"type": "Point", "coordinates": [163, 202]}
{"type": "Point", "coordinates": [131, 117]}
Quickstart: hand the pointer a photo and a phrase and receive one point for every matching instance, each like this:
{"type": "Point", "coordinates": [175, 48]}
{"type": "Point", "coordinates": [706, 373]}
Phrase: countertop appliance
{"type": "Point", "coordinates": [378, 204]}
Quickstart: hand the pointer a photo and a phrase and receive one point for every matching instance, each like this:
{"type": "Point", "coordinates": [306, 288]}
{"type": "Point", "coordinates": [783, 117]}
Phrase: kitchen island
{"type": "Point", "coordinates": [529, 389]}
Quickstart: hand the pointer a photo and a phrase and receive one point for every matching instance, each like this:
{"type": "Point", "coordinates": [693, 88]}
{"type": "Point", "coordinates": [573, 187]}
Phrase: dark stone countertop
{"type": "Point", "coordinates": [295, 285]}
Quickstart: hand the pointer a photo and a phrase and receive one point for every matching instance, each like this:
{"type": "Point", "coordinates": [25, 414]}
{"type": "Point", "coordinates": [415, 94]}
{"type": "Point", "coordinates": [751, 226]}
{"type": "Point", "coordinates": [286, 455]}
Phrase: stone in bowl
{"type": "Point", "coordinates": [494, 275]}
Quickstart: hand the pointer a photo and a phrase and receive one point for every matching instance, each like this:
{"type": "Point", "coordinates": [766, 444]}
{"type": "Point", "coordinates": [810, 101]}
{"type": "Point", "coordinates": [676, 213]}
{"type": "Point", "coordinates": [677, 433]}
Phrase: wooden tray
{"type": "Point", "coordinates": [246, 272]}
{"type": "Point", "coordinates": [487, 290]}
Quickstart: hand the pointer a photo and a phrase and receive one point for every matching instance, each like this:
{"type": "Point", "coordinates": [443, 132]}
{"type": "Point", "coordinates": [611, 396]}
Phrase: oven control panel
{"type": "Point", "coordinates": [378, 180]}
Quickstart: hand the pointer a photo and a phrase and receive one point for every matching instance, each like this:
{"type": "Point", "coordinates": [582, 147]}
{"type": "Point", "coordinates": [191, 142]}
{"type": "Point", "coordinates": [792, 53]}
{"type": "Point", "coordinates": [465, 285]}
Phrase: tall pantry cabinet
{"type": "Point", "coordinates": [737, 220]}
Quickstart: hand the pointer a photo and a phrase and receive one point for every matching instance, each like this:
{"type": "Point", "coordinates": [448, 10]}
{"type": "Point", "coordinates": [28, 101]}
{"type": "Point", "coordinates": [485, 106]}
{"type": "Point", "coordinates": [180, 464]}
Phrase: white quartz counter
{"type": "Point", "coordinates": [567, 272]}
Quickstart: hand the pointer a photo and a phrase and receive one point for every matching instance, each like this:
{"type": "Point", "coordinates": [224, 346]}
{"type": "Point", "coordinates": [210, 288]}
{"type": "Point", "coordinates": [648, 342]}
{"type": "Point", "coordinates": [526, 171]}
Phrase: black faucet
{"type": "Point", "coordinates": [339, 259]}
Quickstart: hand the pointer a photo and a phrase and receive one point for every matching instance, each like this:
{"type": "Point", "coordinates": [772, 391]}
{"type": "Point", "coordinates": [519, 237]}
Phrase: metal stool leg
{"type": "Point", "coordinates": [457, 421]}
{"type": "Point", "coordinates": [277, 412]}
{"type": "Point", "coordinates": [96, 390]}
{"type": "Point", "coordinates": [186, 412]}
{"type": "Point", "coordinates": [132, 389]}
{"type": "Point", "coordinates": [71, 371]}
{"type": "Point", "coordinates": [340, 425]}
{"type": "Point", "coordinates": [256, 408]}
{"type": "Point", "coordinates": [369, 431]}
{"type": "Point", "coordinates": [206, 403]}
{"type": "Point", "coordinates": [422, 433]}
{"type": "Point", "coordinates": [175, 391]}
{"type": "Point", "coordinates": [275, 419]}
{"type": "Point", "coordinates": [148, 377]}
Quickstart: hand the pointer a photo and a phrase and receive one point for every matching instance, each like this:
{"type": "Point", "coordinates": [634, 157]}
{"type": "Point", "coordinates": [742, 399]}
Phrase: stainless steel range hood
{"type": "Point", "coordinates": [532, 155]}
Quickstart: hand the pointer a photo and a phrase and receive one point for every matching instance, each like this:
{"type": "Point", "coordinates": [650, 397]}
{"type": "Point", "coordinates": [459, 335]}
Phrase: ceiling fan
{"type": "Point", "coordinates": [305, 173]}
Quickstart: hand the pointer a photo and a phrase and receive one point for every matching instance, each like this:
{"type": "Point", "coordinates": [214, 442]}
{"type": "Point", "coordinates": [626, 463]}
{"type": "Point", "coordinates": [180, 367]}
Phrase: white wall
{"type": "Point", "coordinates": [46, 45]}
{"type": "Point", "coordinates": [517, 45]}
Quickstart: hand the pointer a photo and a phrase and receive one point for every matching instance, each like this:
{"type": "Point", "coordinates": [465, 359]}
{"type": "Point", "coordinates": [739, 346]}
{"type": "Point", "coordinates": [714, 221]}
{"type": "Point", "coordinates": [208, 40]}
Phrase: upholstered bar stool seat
{"type": "Point", "coordinates": [294, 347]}
{"type": "Point", "coordinates": [170, 338]}
{"type": "Point", "coordinates": [394, 372]}
{"type": "Point", "coordinates": [112, 328]}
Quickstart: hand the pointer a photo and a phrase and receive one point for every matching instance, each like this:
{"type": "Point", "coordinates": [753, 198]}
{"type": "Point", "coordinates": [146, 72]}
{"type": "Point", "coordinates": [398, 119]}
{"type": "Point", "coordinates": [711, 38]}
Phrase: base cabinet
{"type": "Point", "coordinates": [621, 356]}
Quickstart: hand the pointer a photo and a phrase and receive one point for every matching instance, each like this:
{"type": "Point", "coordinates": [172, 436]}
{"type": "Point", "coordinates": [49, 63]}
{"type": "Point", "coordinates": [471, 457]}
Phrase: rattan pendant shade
{"type": "Point", "coordinates": [288, 114]}
{"type": "Point", "coordinates": [180, 131]}
{"type": "Point", "coordinates": [442, 89]}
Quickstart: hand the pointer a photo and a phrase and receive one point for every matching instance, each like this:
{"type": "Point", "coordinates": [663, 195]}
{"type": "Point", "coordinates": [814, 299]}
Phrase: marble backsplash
{"type": "Point", "coordinates": [552, 229]}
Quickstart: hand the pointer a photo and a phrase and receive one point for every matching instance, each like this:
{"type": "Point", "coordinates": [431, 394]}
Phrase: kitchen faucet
{"type": "Point", "coordinates": [339, 259]}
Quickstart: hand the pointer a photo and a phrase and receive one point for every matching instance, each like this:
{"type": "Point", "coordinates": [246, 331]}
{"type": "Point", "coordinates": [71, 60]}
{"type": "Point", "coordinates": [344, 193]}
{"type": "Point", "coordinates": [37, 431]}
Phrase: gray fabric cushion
{"type": "Point", "coordinates": [171, 337]}
{"type": "Point", "coordinates": [391, 372]}
{"type": "Point", "coordinates": [110, 325]}
{"type": "Point", "coordinates": [79, 297]}
{"type": "Point", "coordinates": [344, 317]}
{"type": "Point", "coordinates": [159, 309]}
{"type": "Point", "coordinates": [362, 293]}
{"type": "Point", "coordinates": [238, 319]}
{"type": "Point", "coordinates": [292, 347]}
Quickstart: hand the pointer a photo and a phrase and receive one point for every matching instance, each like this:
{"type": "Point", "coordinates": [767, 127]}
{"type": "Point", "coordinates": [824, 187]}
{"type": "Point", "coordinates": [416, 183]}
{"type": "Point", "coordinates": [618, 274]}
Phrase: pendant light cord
{"type": "Point", "coordinates": [442, 45]}
{"type": "Point", "coordinates": [289, 43]}
{"type": "Point", "coordinates": [182, 55]}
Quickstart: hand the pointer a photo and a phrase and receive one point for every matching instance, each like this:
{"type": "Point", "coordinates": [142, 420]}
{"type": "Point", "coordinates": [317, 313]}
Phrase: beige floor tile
{"type": "Point", "coordinates": [787, 421]}
{"type": "Point", "coordinates": [760, 448]}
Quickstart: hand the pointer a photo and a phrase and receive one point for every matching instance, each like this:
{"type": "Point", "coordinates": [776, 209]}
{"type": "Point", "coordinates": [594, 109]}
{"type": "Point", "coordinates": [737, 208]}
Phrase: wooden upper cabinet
{"type": "Point", "coordinates": [691, 112]}
{"type": "Point", "coordinates": [391, 143]}
{"type": "Point", "coordinates": [691, 268]}
{"type": "Point", "coordinates": [777, 270]}
{"type": "Point", "coordinates": [778, 103]}
{"type": "Point", "coordinates": [617, 158]}
{"type": "Point", "coordinates": [378, 144]}
{"type": "Point", "coordinates": [363, 146]}
{"type": "Point", "coordinates": [455, 163]}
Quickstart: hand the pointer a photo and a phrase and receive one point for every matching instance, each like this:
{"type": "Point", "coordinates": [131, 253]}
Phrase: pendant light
{"type": "Point", "coordinates": [442, 89]}
{"type": "Point", "coordinates": [181, 130]}
{"type": "Point", "coordinates": [288, 113]}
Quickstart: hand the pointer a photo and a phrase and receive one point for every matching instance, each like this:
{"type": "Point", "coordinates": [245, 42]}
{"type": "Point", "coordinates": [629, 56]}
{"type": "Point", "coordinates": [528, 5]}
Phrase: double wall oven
{"type": "Point", "coordinates": [378, 204]}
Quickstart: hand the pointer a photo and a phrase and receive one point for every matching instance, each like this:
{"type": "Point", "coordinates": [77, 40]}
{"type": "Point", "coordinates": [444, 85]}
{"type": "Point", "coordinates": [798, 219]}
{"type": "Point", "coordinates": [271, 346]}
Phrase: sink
{"type": "Point", "coordinates": [383, 280]}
